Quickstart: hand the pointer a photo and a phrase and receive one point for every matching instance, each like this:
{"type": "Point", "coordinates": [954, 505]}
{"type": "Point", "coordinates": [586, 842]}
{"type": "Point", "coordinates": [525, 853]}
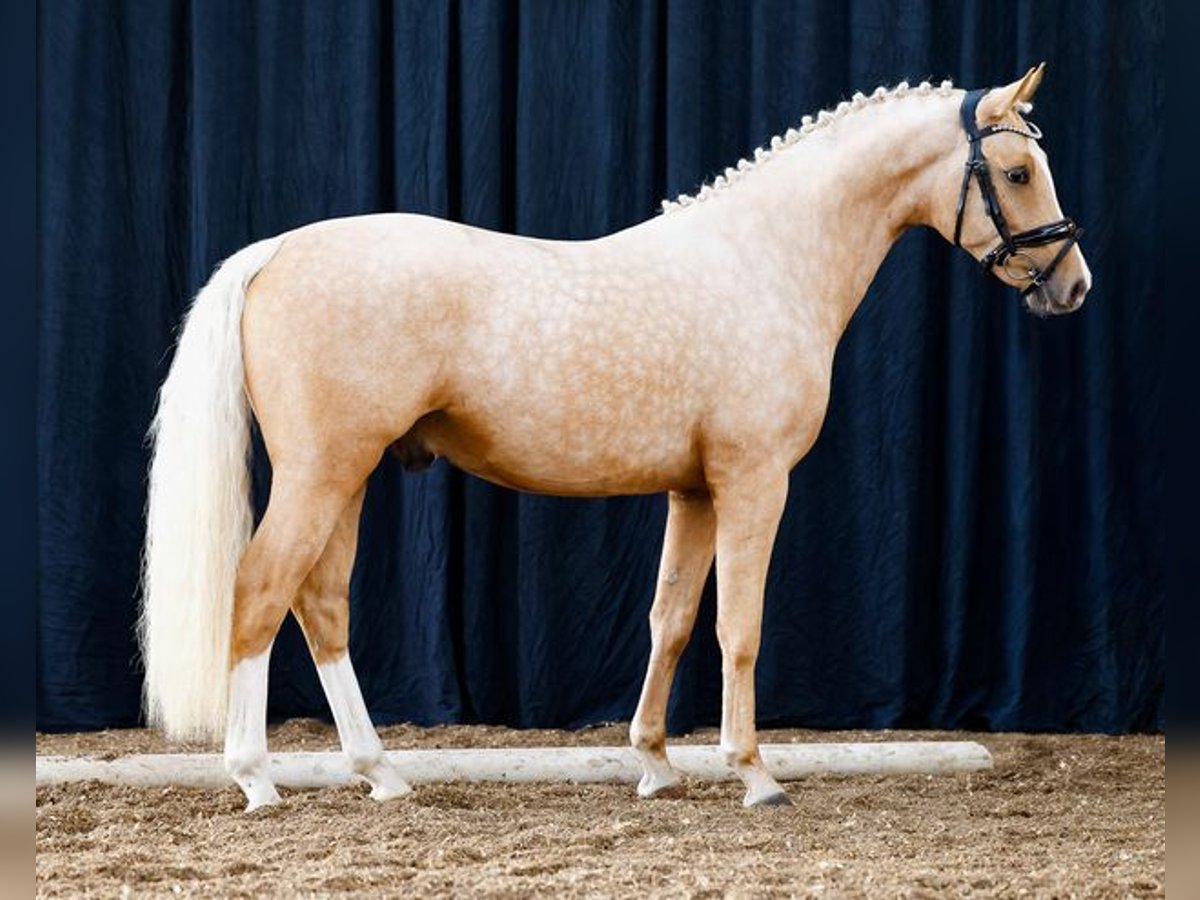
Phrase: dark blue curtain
{"type": "Point", "coordinates": [976, 540]}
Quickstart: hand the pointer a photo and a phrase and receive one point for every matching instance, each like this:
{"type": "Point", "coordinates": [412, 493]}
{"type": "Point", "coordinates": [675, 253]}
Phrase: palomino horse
{"type": "Point", "coordinates": [689, 354]}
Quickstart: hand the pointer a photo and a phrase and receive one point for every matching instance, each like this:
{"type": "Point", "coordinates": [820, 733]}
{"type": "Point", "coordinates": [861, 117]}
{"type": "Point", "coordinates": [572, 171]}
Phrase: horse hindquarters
{"type": "Point", "coordinates": [209, 611]}
{"type": "Point", "coordinates": [324, 435]}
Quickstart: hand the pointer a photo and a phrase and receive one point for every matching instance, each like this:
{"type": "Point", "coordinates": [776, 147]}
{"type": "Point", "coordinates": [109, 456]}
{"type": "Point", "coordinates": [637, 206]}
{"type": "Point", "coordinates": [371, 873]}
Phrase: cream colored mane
{"type": "Point", "coordinates": [792, 136]}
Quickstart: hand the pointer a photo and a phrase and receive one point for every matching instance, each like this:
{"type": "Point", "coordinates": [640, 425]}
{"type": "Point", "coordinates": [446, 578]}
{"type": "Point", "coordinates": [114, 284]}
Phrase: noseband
{"type": "Point", "coordinates": [1010, 251]}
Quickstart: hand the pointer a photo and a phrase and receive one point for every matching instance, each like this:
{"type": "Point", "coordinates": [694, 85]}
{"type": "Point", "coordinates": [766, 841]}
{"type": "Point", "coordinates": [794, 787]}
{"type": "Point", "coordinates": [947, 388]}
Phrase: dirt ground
{"type": "Point", "coordinates": [1059, 816]}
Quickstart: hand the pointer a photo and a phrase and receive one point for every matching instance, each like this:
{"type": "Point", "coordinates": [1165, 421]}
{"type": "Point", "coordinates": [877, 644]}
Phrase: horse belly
{"type": "Point", "coordinates": [543, 456]}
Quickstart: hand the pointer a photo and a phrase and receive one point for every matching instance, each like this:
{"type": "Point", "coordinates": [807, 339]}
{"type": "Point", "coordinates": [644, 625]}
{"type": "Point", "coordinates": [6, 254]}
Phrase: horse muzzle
{"type": "Point", "coordinates": [1057, 297]}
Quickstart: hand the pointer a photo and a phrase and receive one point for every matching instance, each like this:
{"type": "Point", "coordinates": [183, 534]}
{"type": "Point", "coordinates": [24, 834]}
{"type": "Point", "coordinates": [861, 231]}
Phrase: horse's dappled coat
{"type": "Point", "coordinates": [691, 354]}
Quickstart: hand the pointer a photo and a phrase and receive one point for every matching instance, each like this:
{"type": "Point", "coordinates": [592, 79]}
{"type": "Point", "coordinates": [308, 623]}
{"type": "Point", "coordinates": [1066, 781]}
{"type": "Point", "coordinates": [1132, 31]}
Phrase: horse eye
{"type": "Point", "coordinates": [1019, 175]}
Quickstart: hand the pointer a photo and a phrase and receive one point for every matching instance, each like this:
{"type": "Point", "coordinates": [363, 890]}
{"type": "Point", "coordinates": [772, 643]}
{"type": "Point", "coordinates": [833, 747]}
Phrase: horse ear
{"type": "Point", "coordinates": [1031, 82]}
{"type": "Point", "coordinates": [999, 102]}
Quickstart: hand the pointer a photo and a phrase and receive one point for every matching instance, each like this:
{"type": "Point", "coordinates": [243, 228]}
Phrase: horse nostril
{"type": "Point", "coordinates": [1078, 289]}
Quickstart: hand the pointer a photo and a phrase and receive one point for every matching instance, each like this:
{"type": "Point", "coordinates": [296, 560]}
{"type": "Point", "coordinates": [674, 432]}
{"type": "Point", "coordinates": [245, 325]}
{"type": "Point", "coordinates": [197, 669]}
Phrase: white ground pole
{"type": "Point", "coordinates": [786, 762]}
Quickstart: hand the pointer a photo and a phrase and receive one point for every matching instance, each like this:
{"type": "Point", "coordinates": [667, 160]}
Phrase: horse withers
{"type": "Point", "coordinates": [689, 354]}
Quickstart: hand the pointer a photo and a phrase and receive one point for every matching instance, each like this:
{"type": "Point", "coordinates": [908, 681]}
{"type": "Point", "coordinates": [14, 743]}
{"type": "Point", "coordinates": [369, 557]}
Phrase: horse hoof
{"type": "Point", "coordinates": [671, 791]}
{"type": "Point", "coordinates": [263, 799]}
{"type": "Point", "coordinates": [386, 781]}
{"type": "Point", "coordinates": [777, 799]}
{"type": "Point", "coordinates": [660, 786]}
{"type": "Point", "coordinates": [385, 792]}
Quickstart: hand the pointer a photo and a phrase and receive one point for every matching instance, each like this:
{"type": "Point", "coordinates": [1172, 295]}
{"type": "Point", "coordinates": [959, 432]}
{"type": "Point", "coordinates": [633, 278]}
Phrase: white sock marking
{"type": "Point", "coordinates": [246, 730]}
{"type": "Point", "coordinates": [359, 740]}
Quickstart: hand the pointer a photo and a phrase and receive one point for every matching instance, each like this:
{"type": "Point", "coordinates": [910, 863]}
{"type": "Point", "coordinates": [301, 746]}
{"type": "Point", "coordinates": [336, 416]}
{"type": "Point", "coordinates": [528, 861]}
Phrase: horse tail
{"type": "Point", "coordinates": [198, 512]}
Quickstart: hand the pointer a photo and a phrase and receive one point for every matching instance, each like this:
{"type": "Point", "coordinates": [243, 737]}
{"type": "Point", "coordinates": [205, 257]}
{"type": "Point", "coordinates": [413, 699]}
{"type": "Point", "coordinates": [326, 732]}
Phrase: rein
{"type": "Point", "coordinates": [1012, 246]}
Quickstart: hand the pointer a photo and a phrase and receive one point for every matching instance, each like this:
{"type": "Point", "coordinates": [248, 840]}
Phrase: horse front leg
{"type": "Point", "coordinates": [748, 512]}
{"type": "Point", "coordinates": [687, 555]}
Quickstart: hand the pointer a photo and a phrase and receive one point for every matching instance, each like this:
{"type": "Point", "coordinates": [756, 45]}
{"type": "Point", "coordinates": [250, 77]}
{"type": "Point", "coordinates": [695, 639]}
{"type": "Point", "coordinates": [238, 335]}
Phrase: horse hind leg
{"type": "Point", "coordinates": [323, 609]}
{"type": "Point", "coordinates": [301, 515]}
{"type": "Point", "coordinates": [687, 556]}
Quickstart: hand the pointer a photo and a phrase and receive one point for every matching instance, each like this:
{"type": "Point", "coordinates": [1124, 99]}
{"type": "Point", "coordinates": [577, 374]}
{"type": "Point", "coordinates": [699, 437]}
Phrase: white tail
{"type": "Point", "coordinates": [198, 514]}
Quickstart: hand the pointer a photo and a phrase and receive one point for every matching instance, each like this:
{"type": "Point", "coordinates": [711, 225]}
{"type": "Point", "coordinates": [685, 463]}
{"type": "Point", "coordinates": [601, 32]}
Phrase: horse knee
{"type": "Point", "coordinates": [739, 649]}
{"type": "Point", "coordinates": [669, 633]}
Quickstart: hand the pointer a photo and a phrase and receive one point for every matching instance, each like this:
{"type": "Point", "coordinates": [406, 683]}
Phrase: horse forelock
{"type": "Point", "coordinates": [808, 124]}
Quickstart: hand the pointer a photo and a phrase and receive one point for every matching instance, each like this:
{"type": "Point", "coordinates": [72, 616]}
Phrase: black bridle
{"type": "Point", "coordinates": [1012, 246]}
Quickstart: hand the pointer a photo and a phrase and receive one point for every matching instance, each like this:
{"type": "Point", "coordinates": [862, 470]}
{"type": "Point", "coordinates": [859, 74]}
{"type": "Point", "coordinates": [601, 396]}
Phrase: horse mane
{"type": "Point", "coordinates": [808, 124]}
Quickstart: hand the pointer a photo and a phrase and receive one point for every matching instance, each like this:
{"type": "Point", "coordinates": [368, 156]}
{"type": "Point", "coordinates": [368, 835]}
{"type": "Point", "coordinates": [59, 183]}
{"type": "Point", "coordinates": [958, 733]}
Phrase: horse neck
{"type": "Point", "coordinates": [821, 215]}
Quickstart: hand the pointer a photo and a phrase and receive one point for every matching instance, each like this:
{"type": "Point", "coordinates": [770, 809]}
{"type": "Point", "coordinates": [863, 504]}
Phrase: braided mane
{"type": "Point", "coordinates": [808, 124]}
